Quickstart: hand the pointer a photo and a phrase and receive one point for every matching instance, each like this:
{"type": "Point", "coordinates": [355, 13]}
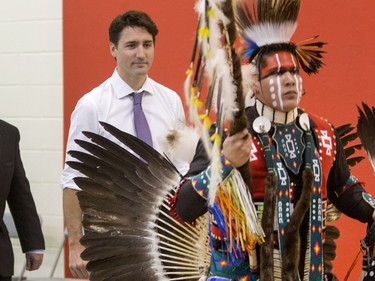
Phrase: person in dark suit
{"type": "Point", "coordinates": [15, 189]}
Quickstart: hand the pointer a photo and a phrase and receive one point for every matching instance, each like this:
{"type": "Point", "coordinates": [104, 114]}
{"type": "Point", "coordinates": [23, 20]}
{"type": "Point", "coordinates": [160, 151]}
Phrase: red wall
{"type": "Point", "coordinates": [341, 85]}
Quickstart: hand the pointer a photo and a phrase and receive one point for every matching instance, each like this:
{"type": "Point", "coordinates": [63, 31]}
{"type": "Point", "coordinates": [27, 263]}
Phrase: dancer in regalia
{"type": "Point", "coordinates": [297, 161]}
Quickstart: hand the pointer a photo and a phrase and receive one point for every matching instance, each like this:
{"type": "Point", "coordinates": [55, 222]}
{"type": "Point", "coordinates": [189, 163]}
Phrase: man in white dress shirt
{"type": "Point", "coordinates": [132, 41]}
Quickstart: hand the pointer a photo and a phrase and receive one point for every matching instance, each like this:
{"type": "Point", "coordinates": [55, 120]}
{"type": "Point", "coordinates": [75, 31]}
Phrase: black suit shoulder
{"type": "Point", "coordinates": [4, 126]}
{"type": "Point", "coordinates": [7, 129]}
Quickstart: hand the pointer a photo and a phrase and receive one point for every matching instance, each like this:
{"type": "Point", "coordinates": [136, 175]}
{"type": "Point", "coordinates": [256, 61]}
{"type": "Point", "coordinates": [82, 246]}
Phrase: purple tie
{"type": "Point", "coordinates": [140, 122]}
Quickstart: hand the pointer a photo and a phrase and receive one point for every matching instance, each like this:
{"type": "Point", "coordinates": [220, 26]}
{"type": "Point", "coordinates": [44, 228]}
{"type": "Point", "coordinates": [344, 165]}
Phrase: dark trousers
{"type": "Point", "coordinates": [5, 278]}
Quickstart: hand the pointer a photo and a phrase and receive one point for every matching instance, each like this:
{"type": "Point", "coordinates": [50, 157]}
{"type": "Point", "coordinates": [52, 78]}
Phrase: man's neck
{"type": "Point", "coordinates": [135, 82]}
{"type": "Point", "coordinates": [276, 116]}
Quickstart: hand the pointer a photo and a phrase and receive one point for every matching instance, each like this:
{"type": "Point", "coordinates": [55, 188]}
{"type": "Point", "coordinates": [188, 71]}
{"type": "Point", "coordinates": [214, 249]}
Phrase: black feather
{"type": "Point", "coordinates": [163, 166]}
{"type": "Point", "coordinates": [344, 129]}
{"type": "Point", "coordinates": [347, 136]}
{"type": "Point", "coordinates": [354, 160]}
{"type": "Point", "coordinates": [366, 130]}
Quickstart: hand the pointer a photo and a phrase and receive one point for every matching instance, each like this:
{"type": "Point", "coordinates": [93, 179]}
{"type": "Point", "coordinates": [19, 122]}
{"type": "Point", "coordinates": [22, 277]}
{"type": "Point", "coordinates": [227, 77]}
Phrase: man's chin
{"type": "Point", "coordinates": [141, 72]}
{"type": "Point", "coordinates": [290, 105]}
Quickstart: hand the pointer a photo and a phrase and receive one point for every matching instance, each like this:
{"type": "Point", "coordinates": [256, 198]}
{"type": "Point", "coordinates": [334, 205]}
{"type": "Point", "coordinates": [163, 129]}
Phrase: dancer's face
{"type": "Point", "coordinates": [280, 84]}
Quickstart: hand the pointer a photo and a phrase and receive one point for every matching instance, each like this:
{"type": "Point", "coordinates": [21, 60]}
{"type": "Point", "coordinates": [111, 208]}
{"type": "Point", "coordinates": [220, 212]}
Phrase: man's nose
{"type": "Point", "coordinates": [288, 78]}
{"type": "Point", "coordinates": [140, 51]}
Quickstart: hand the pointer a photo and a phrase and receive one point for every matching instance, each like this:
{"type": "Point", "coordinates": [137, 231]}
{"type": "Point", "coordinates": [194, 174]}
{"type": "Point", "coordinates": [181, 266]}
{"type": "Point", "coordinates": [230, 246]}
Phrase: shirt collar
{"type": "Point", "coordinates": [122, 89]}
{"type": "Point", "coordinates": [274, 115]}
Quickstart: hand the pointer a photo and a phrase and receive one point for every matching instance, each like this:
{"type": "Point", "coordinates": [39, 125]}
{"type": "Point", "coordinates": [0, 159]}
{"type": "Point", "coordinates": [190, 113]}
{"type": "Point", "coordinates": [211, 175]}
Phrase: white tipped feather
{"type": "Point", "coordinates": [187, 83]}
{"type": "Point", "coordinates": [271, 33]}
{"type": "Point", "coordinates": [216, 7]}
{"type": "Point", "coordinates": [212, 47]}
{"type": "Point", "coordinates": [249, 76]}
{"type": "Point", "coordinates": [216, 177]}
{"type": "Point", "coordinates": [199, 7]}
{"type": "Point", "coordinates": [228, 89]}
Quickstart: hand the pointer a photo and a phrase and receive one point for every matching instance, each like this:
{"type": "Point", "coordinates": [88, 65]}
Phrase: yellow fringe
{"type": "Point", "coordinates": [238, 227]}
{"type": "Point", "coordinates": [206, 121]}
{"type": "Point", "coordinates": [196, 102]}
{"type": "Point", "coordinates": [204, 32]}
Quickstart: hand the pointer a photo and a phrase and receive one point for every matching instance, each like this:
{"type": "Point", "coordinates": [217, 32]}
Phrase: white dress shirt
{"type": "Point", "coordinates": [112, 103]}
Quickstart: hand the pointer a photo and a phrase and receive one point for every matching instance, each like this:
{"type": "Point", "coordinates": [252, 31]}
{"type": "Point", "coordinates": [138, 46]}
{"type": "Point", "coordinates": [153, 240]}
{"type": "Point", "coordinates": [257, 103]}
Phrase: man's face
{"type": "Point", "coordinates": [134, 53]}
{"type": "Point", "coordinates": [280, 82]}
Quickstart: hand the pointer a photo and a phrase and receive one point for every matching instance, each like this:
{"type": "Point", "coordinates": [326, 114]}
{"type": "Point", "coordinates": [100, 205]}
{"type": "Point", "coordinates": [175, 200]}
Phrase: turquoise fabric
{"type": "Point", "coordinates": [223, 267]}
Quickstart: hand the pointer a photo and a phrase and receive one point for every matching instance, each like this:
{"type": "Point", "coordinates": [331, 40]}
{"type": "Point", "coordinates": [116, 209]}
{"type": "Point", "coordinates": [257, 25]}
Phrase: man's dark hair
{"type": "Point", "coordinates": [267, 50]}
{"type": "Point", "coordinates": [131, 19]}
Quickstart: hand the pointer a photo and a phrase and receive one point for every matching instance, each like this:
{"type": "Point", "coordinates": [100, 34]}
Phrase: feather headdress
{"type": "Point", "coordinates": [268, 25]}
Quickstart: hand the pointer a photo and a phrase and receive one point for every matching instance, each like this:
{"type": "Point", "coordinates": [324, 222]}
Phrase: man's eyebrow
{"type": "Point", "coordinates": [271, 69]}
{"type": "Point", "coordinates": [289, 67]}
{"type": "Point", "coordinates": [131, 42]}
{"type": "Point", "coordinates": [138, 41]}
{"type": "Point", "coordinates": [282, 67]}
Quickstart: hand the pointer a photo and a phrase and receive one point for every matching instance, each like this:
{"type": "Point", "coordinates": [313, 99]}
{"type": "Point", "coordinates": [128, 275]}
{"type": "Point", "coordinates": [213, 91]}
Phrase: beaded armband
{"type": "Point", "coordinates": [201, 182]}
{"type": "Point", "coordinates": [368, 199]}
{"type": "Point", "coordinates": [352, 180]}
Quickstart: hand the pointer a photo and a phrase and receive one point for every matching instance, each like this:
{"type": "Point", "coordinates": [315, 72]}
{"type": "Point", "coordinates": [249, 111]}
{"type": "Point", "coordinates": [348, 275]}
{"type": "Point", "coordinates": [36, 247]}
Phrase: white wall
{"type": "Point", "coordinates": [31, 95]}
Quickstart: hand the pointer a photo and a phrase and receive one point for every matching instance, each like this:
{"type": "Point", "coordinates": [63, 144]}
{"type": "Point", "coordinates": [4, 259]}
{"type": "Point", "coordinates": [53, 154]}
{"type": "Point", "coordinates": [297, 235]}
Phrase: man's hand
{"type": "Point", "coordinates": [77, 266]}
{"type": "Point", "coordinates": [73, 217]}
{"type": "Point", "coordinates": [236, 148]}
{"type": "Point", "coordinates": [33, 261]}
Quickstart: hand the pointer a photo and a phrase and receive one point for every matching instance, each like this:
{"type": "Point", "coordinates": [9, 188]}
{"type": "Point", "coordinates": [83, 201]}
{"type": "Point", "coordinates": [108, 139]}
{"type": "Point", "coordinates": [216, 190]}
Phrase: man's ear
{"type": "Point", "coordinates": [249, 76]}
{"type": "Point", "coordinates": [113, 49]}
{"type": "Point", "coordinates": [255, 86]}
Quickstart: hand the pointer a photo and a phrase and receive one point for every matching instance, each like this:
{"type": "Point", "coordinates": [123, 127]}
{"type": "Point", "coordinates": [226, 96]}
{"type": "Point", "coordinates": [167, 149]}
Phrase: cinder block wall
{"type": "Point", "coordinates": [31, 99]}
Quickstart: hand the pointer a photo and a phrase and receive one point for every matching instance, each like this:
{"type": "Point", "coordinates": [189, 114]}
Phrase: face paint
{"type": "Point", "coordinates": [280, 72]}
{"type": "Point", "coordinates": [298, 79]}
{"type": "Point", "coordinates": [278, 82]}
{"type": "Point", "coordinates": [278, 63]}
{"type": "Point", "coordinates": [272, 91]}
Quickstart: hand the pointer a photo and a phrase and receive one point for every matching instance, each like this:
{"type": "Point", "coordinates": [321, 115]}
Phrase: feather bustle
{"type": "Point", "coordinates": [366, 130]}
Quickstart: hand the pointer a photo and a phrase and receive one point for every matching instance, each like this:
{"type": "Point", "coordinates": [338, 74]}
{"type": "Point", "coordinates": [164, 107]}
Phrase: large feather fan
{"type": "Point", "coordinates": [129, 233]}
